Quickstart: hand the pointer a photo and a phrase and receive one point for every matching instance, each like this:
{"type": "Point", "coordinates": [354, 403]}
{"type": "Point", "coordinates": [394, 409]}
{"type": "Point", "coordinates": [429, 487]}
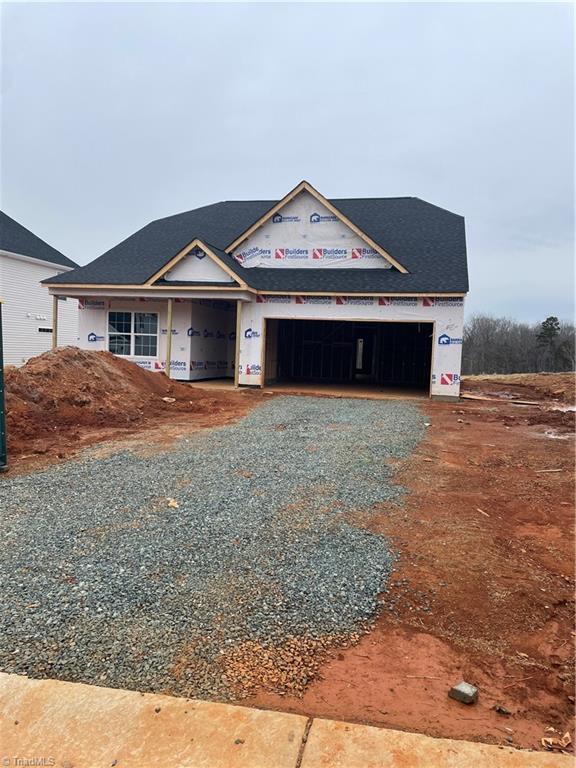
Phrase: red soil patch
{"type": "Point", "coordinates": [484, 590]}
{"type": "Point", "coordinates": [69, 398]}
{"type": "Point", "coordinates": [528, 386]}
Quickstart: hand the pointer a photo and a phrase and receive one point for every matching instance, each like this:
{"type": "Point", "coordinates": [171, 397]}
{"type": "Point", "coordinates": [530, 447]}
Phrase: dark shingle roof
{"type": "Point", "coordinates": [429, 241]}
{"type": "Point", "coordinates": [17, 239]}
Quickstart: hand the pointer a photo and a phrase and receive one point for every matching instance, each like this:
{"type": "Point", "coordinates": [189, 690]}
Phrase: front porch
{"type": "Point", "coordinates": [188, 335]}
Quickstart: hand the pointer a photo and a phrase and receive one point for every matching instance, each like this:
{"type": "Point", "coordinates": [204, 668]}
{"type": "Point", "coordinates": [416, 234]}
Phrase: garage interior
{"type": "Point", "coordinates": [361, 353]}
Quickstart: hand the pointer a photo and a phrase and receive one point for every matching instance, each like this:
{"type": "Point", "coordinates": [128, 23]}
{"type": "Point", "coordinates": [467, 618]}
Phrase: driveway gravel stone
{"type": "Point", "coordinates": [104, 581]}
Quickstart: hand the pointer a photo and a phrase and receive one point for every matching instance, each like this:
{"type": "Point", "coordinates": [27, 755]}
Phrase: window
{"type": "Point", "coordinates": [133, 333]}
{"type": "Point", "coordinates": [145, 333]}
{"type": "Point", "coordinates": [120, 332]}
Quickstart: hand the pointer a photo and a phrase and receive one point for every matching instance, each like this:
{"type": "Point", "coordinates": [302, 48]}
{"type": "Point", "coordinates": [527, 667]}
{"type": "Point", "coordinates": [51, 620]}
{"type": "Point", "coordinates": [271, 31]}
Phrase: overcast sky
{"type": "Point", "coordinates": [117, 114]}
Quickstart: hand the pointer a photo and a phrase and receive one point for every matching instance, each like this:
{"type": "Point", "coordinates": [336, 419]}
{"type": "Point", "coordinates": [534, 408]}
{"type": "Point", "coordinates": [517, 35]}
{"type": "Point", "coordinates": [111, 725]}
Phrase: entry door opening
{"type": "Point", "coordinates": [348, 352]}
{"type": "Point", "coordinates": [212, 339]}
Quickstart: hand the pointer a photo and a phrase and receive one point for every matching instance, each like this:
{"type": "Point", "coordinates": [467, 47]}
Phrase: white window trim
{"type": "Point", "coordinates": [133, 312]}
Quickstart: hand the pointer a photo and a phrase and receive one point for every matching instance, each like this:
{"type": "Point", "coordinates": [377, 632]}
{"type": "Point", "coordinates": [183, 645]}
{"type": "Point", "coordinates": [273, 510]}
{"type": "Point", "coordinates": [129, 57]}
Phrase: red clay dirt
{"type": "Point", "coordinates": [538, 386]}
{"type": "Point", "coordinates": [68, 398]}
{"type": "Point", "coordinates": [484, 590]}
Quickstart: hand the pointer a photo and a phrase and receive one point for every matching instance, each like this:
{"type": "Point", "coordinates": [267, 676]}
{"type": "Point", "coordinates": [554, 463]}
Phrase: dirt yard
{"type": "Point", "coordinates": [538, 386]}
{"type": "Point", "coordinates": [484, 589]}
{"type": "Point", "coordinates": [487, 541]}
{"type": "Point", "coordinates": [68, 399]}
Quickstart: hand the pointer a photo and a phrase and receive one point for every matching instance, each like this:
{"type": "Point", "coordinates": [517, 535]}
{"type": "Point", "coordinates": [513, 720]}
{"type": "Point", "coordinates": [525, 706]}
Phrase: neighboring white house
{"type": "Point", "coordinates": [304, 289]}
{"type": "Point", "coordinates": [26, 260]}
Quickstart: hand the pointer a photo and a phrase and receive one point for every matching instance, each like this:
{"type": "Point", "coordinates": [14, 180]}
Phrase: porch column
{"type": "Point", "coordinates": [237, 353]}
{"type": "Point", "coordinates": [54, 322]}
{"type": "Point", "coordinates": [168, 338]}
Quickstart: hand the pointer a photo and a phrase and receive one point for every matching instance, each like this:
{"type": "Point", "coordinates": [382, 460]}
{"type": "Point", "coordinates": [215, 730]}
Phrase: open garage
{"type": "Point", "coordinates": [394, 354]}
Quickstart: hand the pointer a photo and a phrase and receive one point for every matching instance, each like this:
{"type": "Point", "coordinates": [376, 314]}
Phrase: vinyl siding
{"type": "Point", "coordinates": [27, 306]}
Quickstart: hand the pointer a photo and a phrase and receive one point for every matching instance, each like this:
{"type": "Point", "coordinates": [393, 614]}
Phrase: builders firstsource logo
{"type": "Point", "coordinates": [250, 333]}
{"type": "Point", "coordinates": [399, 301]}
{"type": "Point", "coordinates": [252, 369]}
{"type": "Point", "coordinates": [335, 253]}
{"type": "Point", "coordinates": [290, 253]}
{"type": "Point", "coordinates": [91, 304]}
{"type": "Point", "coordinates": [313, 300]}
{"type": "Point", "coordinates": [175, 365]}
{"type": "Point", "coordinates": [261, 299]}
{"type": "Point", "coordinates": [438, 301]}
{"type": "Point", "coordinates": [253, 253]}
{"type": "Point", "coordinates": [92, 337]}
{"type": "Point", "coordinates": [449, 301]}
{"type": "Point", "coordinates": [448, 379]}
{"type": "Point", "coordinates": [363, 253]}
{"type": "Point", "coordinates": [364, 301]}
{"type": "Point", "coordinates": [329, 253]}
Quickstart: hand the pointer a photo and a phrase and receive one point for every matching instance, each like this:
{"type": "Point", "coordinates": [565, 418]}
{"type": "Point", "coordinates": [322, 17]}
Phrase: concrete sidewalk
{"type": "Point", "coordinates": [70, 725]}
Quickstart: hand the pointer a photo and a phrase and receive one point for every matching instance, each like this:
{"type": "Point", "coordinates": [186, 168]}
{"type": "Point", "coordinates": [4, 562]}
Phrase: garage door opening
{"type": "Point", "coordinates": [364, 354]}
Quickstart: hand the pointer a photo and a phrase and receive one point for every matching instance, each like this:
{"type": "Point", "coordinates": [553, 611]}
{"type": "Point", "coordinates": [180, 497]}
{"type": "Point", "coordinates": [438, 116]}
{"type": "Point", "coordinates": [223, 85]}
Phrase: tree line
{"type": "Point", "coordinates": [501, 345]}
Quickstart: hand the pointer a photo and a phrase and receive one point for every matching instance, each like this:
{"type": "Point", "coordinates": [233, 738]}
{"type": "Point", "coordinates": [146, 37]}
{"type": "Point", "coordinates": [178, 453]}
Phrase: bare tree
{"type": "Point", "coordinates": [503, 345]}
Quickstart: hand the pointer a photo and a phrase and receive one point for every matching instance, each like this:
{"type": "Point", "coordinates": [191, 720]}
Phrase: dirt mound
{"type": "Point", "coordinates": [528, 386]}
{"type": "Point", "coordinates": [65, 393]}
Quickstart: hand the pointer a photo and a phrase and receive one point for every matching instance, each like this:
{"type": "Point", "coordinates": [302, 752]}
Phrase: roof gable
{"type": "Point", "coordinates": [274, 215]}
{"type": "Point", "coordinates": [306, 234]}
{"type": "Point", "coordinates": [196, 262]}
{"type": "Point", "coordinates": [199, 266]}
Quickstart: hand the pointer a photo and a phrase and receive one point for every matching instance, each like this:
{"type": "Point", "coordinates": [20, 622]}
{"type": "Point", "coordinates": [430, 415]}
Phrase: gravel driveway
{"type": "Point", "coordinates": [104, 580]}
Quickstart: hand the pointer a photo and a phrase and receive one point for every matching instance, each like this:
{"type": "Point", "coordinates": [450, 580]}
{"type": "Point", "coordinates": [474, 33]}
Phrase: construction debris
{"type": "Point", "coordinates": [552, 742]}
{"type": "Point", "coordinates": [464, 692]}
